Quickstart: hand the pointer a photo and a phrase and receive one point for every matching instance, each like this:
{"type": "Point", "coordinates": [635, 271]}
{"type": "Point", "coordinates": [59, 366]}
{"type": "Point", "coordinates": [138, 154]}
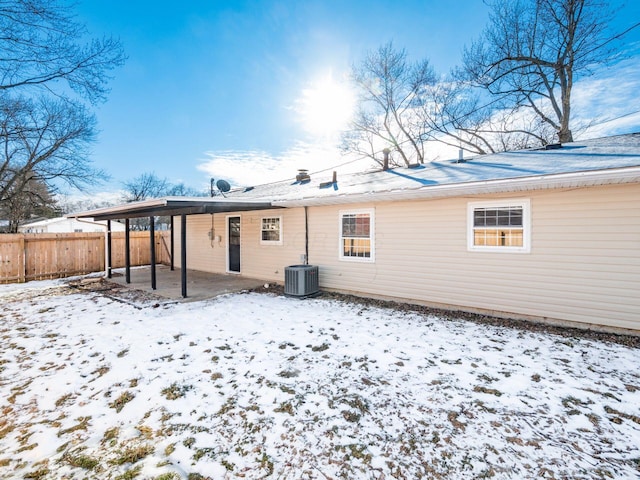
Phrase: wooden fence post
{"type": "Point", "coordinates": [22, 260]}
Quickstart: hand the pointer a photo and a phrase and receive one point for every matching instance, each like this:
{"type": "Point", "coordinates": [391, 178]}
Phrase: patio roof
{"type": "Point", "coordinates": [173, 206]}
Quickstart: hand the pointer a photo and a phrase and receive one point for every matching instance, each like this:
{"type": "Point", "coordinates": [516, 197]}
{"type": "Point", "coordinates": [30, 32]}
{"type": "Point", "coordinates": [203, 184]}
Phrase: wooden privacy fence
{"type": "Point", "coordinates": [39, 256]}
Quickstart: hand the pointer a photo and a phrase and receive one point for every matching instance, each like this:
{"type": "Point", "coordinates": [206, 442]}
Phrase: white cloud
{"type": "Point", "coordinates": [606, 103]}
{"type": "Point", "coordinates": [602, 105]}
{"type": "Point", "coordinates": [245, 168]}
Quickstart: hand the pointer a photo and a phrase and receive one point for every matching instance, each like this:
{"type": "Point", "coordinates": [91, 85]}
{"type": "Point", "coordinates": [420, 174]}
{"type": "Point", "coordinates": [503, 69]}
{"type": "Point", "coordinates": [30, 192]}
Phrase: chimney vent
{"type": "Point", "coordinates": [303, 176]}
{"type": "Point", "coordinates": [385, 162]}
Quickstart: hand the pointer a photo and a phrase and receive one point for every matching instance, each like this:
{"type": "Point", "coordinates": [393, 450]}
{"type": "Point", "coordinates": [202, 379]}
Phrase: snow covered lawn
{"type": "Point", "coordinates": [262, 386]}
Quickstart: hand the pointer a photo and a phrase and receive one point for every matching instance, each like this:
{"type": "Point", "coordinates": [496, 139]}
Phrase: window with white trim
{"type": "Point", "coordinates": [356, 235]}
{"type": "Point", "coordinates": [499, 226]}
{"type": "Point", "coordinates": [271, 230]}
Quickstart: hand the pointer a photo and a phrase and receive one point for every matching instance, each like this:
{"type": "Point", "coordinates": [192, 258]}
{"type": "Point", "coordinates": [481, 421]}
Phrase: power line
{"type": "Point", "coordinates": [615, 118]}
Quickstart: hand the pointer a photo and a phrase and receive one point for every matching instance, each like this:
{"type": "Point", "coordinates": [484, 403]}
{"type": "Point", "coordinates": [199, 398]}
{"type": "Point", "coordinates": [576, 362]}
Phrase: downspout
{"type": "Point", "coordinates": [306, 236]}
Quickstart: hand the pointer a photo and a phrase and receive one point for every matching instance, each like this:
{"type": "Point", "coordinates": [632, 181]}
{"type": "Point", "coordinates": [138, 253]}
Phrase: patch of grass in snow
{"type": "Point", "coordinates": [145, 431]}
{"type": "Point", "coordinates": [130, 474]}
{"type": "Point", "coordinates": [17, 391]}
{"type": "Point", "coordinates": [490, 391]}
{"type": "Point", "coordinates": [229, 405]}
{"type": "Point", "coordinates": [481, 405]}
{"type": "Point", "coordinates": [266, 464]}
{"type": "Point", "coordinates": [101, 370]}
{"type": "Point", "coordinates": [621, 415]}
{"type": "Point", "coordinates": [487, 378]}
{"type": "Point", "coordinates": [228, 465]}
{"type": "Point", "coordinates": [289, 373]}
{"type": "Point", "coordinates": [216, 376]}
{"type": "Point", "coordinates": [189, 442]}
{"type": "Point", "coordinates": [357, 451]}
{"type": "Point", "coordinates": [319, 348]}
{"type": "Point", "coordinates": [37, 474]}
{"type": "Point", "coordinates": [6, 427]}
{"type": "Point", "coordinates": [110, 436]}
{"type": "Point", "coordinates": [83, 424]}
{"type": "Point", "coordinates": [64, 399]}
{"type": "Point", "coordinates": [168, 476]}
{"type": "Point", "coordinates": [452, 416]}
{"type": "Point", "coordinates": [175, 391]}
{"type": "Point", "coordinates": [124, 398]}
{"type": "Point", "coordinates": [285, 407]}
{"type": "Point", "coordinates": [202, 452]}
{"type": "Point", "coordinates": [571, 402]}
{"type": "Point", "coordinates": [80, 461]}
{"type": "Point", "coordinates": [133, 454]}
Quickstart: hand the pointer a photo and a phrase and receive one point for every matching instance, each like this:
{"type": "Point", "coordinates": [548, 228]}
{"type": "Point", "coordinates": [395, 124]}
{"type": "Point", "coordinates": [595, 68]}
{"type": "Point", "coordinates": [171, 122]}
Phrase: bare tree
{"type": "Point", "coordinates": [47, 72]}
{"type": "Point", "coordinates": [390, 88]}
{"type": "Point", "coordinates": [146, 185]}
{"type": "Point", "coordinates": [43, 140]}
{"type": "Point", "coordinates": [42, 44]}
{"type": "Point", "coordinates": [149, 185]}
{"type": "Point", "coordinates": [33, 199]}
{"type": "Point", "coordinates": [456, 115]}
{"type": "Point", "coordinates": [182, 190]}
{"type": "Point", "coordinates": [532, 52]}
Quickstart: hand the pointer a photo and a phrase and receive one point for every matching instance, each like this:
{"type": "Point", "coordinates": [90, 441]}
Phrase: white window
{"type": "Point", "coordinates": [499, 226]}
{"type": "Point", "coordinates": [356, 235]}
{"type": "Point", "coordinates": [271, 231]}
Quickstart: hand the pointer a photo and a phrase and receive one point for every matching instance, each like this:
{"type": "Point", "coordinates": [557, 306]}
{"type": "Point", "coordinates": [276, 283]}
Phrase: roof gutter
{"type": "Point", "coordinates": [563, 180]}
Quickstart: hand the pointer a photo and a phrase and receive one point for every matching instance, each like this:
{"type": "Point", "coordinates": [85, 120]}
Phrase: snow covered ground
{"type": "Point", "coordinates": [262, 386]}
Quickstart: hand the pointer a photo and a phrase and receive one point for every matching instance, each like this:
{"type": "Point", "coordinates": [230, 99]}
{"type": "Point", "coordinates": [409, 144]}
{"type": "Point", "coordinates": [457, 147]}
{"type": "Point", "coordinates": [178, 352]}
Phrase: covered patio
{"type": "Point", "coordinates": [202, 283]}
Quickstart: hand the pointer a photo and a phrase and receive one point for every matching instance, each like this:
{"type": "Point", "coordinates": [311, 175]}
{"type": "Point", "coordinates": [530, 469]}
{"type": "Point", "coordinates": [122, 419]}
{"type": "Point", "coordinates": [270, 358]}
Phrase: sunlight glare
{"type": "Point", "coordinates": [326, 107]}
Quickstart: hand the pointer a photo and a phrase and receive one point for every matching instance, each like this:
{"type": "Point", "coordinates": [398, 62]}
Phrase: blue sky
{"type": "Point", "coordinates": [218, 88]}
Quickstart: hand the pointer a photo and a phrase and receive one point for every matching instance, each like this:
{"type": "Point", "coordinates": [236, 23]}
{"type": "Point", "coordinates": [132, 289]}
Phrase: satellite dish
{"type": "Point", "coordinates": [223, 186]}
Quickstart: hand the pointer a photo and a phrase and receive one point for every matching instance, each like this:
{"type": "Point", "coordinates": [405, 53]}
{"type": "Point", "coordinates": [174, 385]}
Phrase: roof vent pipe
{"type": "Point", "coordinates": [335, 177]}
{"type": "Point", "coordinates": [385, 161]}
{"type": "Point", "coordinates": [460, 156]}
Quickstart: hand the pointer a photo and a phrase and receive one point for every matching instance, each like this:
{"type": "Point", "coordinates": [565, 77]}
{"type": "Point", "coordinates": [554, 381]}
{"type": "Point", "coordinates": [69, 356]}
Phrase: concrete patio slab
{"type": "Point", "coordinates": [200, 285]}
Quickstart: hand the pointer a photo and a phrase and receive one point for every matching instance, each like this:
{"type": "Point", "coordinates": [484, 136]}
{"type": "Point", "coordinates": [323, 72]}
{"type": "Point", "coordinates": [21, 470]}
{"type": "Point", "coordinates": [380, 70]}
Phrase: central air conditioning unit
{"type": "Point", "coordinates": [301, 280]}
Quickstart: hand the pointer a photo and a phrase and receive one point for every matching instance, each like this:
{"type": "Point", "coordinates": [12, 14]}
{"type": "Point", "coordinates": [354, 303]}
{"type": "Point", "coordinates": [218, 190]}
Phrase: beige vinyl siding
{"type": "Point", "coordinates": [584, 264]}
{"type": "Point", "coordinates": [262, 261]}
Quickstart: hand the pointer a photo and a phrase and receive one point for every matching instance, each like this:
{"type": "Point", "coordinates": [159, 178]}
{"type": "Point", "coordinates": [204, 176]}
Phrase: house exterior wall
{"type": "Point", "coordinates": [583, 265]}
{"type": "Point", "coordinates": [257, 260]}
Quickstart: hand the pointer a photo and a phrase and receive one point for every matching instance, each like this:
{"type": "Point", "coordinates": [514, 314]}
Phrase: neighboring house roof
{"type": "Point", "coordinates": [67, 225]}
{"type": "Point", "coordinates": [592, 162]}
{"type": "Point", "coordinates": [51, 221]}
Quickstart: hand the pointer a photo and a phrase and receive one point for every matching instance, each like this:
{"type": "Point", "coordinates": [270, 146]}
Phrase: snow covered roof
{"type": "Point", "coordinates": [46, 222]}
{"type": "Point", "coordinates": [173, 206]}
{"type": "Point", "coordinates": [584, 163]}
